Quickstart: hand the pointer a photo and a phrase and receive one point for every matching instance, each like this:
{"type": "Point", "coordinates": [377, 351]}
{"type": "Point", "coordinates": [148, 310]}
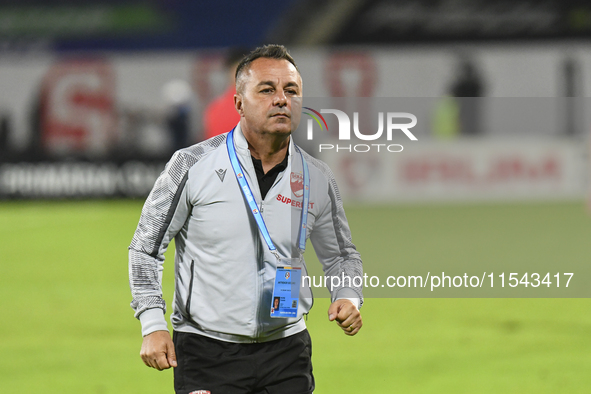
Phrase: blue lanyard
{"type": "Point", "coordinates": [254, 208]}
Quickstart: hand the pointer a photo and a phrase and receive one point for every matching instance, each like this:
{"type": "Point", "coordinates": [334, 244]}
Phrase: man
{"type": "Point", "coordinates": [229, 254]}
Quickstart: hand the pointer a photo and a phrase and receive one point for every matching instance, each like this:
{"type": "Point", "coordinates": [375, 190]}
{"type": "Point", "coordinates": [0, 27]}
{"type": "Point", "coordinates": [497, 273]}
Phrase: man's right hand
{"type": "Point", "coordinates": [158, 350]}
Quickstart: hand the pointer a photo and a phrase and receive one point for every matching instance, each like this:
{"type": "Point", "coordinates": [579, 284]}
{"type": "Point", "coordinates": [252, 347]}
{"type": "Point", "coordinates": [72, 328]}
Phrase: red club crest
{"type": "Point", "coordinates": [297, 184]}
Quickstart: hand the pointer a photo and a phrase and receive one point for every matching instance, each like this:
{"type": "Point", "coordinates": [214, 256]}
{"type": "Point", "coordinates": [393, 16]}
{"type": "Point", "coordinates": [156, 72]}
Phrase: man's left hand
{"type": "Point", "coordinates": [347, 316]}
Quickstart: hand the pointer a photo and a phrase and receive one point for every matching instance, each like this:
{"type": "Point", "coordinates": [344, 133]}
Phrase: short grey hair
{"type": "Point", "coordinates": [271, 51]}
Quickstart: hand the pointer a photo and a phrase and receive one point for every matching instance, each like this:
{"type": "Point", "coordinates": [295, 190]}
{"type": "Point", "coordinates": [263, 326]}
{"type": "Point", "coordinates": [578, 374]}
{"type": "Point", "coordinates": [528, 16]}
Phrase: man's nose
{"type": "Point", "coordinates": [280, 99]}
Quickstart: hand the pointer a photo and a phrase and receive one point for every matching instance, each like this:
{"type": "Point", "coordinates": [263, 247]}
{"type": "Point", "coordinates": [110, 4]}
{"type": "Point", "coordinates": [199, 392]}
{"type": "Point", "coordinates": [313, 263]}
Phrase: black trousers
{"type": "Point", "coordinates": [283, 366]}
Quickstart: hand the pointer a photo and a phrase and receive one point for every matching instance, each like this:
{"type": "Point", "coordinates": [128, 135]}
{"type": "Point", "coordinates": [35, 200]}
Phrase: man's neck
{"type": "Point", "coordinates": [270, 149]}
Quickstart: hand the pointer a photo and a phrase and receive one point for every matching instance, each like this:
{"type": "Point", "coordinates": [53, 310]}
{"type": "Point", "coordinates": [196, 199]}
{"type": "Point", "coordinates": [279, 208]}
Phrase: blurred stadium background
{"type": "Point", "coordinates": [95, 96]}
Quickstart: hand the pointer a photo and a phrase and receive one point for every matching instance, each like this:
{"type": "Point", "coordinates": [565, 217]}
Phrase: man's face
{"type": "Point", "coordinates": [265, 99]}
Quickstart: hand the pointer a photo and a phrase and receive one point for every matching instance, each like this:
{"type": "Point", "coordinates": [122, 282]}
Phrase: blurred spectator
{"type": "Point", "coordinates": [4, 131]}
{"type": "Point", "coordinates": [221, 116]}
{"type": "Point", "coordinates": [465, 88]}
{"type": "Point", "coordinates": [572, 85]}
{"type": "Point", "coordinates": [177, 95]}
{"type": "Point", "coordinates": [458, 112]}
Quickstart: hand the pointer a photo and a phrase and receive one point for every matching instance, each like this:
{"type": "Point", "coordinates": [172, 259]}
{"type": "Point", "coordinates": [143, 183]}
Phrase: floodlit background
{"type": "Point", "coordinates": [95, 97]}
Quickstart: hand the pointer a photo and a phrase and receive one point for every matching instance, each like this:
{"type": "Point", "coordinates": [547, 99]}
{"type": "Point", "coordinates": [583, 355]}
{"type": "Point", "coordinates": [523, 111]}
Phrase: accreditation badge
{"type": "Point", "coordinates": [286, 292]}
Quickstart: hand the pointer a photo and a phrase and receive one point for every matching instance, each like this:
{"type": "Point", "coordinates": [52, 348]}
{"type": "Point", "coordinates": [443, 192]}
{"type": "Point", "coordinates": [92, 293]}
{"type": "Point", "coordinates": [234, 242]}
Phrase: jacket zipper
{"type": "Point", "coordinates": [259, 284]}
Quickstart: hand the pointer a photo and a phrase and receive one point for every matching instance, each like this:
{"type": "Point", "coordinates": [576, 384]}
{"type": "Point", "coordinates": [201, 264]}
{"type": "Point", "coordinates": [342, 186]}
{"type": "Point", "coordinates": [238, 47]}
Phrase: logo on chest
{"type": "Point", "coordinates": [293, 202]}
{"type": "Point", "coordinates": [296, 182]}
{"type": "Point", "coordinates": [221, 173]}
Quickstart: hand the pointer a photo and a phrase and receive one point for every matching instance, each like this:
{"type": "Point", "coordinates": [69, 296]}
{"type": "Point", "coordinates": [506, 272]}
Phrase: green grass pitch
{"type": "Point", "coordinates": [66, 325]}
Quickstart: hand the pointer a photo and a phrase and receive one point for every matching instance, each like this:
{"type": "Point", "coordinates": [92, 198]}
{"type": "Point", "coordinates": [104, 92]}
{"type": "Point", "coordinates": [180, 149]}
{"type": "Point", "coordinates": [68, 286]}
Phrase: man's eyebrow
{"type": "Point", "coordinates": [271, 83]}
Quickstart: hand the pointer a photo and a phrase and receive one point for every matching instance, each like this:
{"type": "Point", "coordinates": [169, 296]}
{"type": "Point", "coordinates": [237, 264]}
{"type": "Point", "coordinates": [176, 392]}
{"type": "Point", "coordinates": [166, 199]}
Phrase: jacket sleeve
{"type": "Point", "coordinates": [331, 238]}
{"type": "Point", "coordinates": [164, 213]}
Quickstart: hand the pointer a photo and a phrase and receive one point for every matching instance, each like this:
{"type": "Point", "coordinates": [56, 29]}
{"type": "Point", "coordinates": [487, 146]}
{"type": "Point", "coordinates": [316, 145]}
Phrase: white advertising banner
{"type": "Point", "coordinates": [463, 170]}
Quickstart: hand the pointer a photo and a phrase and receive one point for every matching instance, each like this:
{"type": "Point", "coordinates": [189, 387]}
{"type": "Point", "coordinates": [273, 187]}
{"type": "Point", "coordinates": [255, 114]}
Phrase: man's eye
{"type": "Point", "coordinates": [268, 90]}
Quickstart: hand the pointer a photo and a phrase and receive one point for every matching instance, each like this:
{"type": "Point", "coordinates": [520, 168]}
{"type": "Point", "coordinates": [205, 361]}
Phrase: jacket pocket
{"type": "Point", "coordinates": [188, 306]}
{"type": "Point", "coordinates": [306, 295]}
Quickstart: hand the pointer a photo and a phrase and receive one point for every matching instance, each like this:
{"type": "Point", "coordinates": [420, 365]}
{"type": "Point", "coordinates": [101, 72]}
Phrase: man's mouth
{"type": "Point", "coordinates": [280, 115]}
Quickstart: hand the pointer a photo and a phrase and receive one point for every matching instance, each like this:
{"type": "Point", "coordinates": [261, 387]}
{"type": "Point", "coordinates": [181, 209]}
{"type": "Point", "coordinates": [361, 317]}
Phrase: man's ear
{"type": "Point", "coordinates": [238, 104]}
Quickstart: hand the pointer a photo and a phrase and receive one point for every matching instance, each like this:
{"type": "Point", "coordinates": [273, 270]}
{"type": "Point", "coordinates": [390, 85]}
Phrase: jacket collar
{"type": "Point", "coordinates": [241, 145]}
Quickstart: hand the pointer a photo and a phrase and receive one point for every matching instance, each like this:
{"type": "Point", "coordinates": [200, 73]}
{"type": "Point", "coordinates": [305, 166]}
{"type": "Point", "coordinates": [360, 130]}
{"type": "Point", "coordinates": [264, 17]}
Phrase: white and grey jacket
{"type": "Point", "coordinates": [224, 271]}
